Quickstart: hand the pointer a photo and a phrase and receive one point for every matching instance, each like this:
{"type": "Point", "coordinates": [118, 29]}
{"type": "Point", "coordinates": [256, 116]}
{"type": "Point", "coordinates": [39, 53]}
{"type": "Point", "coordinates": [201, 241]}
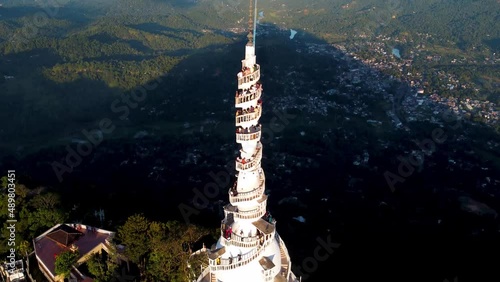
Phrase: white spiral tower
{"type": "Point", "coordinates": [249, 248]}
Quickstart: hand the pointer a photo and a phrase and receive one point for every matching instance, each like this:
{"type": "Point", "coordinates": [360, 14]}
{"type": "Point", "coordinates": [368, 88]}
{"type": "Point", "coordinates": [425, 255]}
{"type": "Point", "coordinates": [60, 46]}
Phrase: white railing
{"type": "Point", "coordinates": [256, 158]}
{"type": "Point", "coordinates": [246, 166]}
{"type": "Point", "coordinates": [228, 264]}
{"type": "Point", "coordinates": [250, 195]}
{"type": "Point", "coordinates": [243, 242]}
{"type": "Point", "coordinates": [256, 114]}
{"type": "Point", "coordinates": [243, 98]}
{"type": "Point", "coordinates": [252, 76]}
{"type": "Point", "coordinates": [204, 273]}
{"type": "Point", "coordinates": [242, 137]}
{"type": "Point", "coordinates": [252, 214]}
{"type": "Point", "coordinates": [256, 213]}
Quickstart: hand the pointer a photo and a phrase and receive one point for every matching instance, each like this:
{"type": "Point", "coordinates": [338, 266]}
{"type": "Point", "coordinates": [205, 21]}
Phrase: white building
{"type": "Point", "coordinates": [13, 271]}
{"type": "Point", "coordinates": [249, 248]}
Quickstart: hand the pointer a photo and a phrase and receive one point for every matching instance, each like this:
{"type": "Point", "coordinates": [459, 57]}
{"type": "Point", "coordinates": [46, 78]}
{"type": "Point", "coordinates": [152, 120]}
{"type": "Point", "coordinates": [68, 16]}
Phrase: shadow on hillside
{"type": "Point", "coordinates": [494, 43]}
{"type": "Point", "coordinates": [183, 130]}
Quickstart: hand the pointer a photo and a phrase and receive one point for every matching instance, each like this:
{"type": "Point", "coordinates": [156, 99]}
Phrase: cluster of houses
{"type": "Point", "coordinates": [379, 58]}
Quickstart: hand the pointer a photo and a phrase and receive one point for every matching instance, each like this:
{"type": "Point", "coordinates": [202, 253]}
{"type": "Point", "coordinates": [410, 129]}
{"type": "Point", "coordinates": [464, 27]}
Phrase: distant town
{"type": "Point", "coordinates": [379, 57]}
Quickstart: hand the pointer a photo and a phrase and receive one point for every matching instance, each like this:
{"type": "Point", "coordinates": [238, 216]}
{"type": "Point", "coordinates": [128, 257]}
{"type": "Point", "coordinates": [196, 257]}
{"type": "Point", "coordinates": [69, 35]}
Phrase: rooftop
{"type": "Point", "coordinates": [61, 237]}
{"type": "Point", "coordinates": [64, 235]}
{"type": "Point", "coordinates": [216, 253]}
{"type": "Point", "coordinates": [264, 226]}
{"type": "Point", "coordinates": [266, 263]}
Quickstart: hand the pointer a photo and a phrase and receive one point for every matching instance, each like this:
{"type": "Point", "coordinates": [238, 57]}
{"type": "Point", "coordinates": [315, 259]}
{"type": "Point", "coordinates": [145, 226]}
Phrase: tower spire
{"type": "Point", "coordinates": [251, 31]}
{"type": "Point", "coordinates": [255, 23]}
{"type": "Point", "coordinates": [249, 248]}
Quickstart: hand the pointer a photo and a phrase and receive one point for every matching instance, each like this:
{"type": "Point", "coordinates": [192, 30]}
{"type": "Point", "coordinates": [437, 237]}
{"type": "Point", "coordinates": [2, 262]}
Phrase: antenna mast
{"type": "Point", "coordinates": [250, 35]}
{"type": "Point", "coordinates": [255, 23]}
{"type": "Point", "coordinates": [252, 23]}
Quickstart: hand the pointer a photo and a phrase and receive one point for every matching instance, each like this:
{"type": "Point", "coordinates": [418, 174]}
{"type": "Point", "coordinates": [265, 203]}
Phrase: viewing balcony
{"type": "Point", "coordinates": [254, 214]}
{"type": "Point", "coordinates": [248, 116]}
{"type": "Point", "coordinates": [252, 75]}
{"type": "Point", "coordinates": [254, 162]}
{"type": "Point", "coordinates": [244, 98]}
{"type": "Point", "coordinates": [249, 134]}
{"type": "Point", "coordinates": [241, 241]}
{"type": "Point", "coordinates": [221, 264]}
{"type": "Point", "coordinates": [238, 197]}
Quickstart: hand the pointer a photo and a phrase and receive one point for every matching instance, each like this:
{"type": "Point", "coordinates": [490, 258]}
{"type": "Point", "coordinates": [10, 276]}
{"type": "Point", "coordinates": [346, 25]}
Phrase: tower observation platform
{"type": "Point", "coordinates": [249, 248]}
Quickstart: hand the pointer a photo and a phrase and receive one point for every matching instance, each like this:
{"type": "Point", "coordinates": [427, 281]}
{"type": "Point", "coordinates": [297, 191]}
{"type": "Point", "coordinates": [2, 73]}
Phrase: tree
{"type": "Point", "coordinates": [5, 181]}
{"type": "Point", "coordinates": [197, 262]}
{"type": "Point", "coordinates": [4, 209]}
{"type": "Point", "coordinates": [22, 191]}
{"type": "Point", "coordinates": [64, 262]}
{"type": "Point", "coordinates": [167, 260]}
{"type": "Point", "coordinates": [25, 248]}
{"type": "Point", "coordinates": [161, 263]}
{"type": "Point", "coordinates": [41, 219]}
{"type": "Point", "coordinates": [102, 266]}
{"type": "Point", "coordinates": [45, 201]}
{"type": "Point", "coordinates": [159, 248]}
{"type": "Point", "coordinates": [133, 234]}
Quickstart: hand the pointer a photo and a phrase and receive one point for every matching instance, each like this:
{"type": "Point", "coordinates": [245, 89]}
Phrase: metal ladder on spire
{"type": "Point", "coordinates": [252, 22]}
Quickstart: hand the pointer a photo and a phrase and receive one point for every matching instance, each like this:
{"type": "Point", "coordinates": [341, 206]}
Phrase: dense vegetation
{"type": "Point", "coordinates": [60, 73]}
{"type": "Point", "coordinates": [160, 250]}
{"type": "Point", "coordinates": [37, 210]}
{"type": "Point", "coordinates": [64, 263]}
